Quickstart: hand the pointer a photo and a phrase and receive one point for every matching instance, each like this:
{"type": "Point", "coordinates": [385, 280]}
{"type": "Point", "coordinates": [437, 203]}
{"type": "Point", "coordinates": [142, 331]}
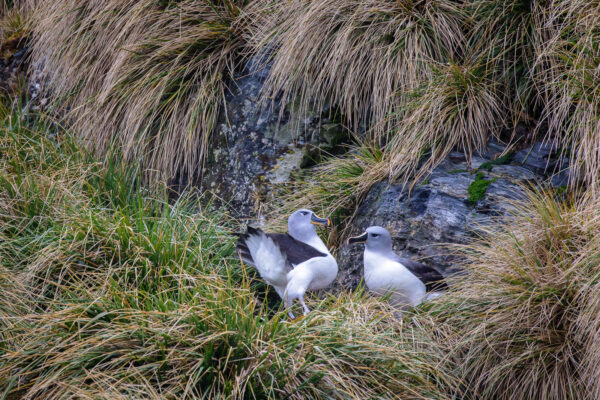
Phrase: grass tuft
{"type": "Point", "coordinates": [525, 315]}
{"type": "Point", "coordinates": [357, 54]}
{"type": "Point", "coordinates": [147, 75]}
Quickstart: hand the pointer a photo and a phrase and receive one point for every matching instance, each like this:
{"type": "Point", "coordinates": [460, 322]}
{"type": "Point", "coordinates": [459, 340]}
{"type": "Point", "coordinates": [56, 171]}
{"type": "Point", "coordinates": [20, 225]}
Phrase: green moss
{"type": "Point", "coordinates": [478, 187]}
{"type": "Point", "coordinates": [457, 171]}
{"type": "Point", "coordinates": [505, 159]}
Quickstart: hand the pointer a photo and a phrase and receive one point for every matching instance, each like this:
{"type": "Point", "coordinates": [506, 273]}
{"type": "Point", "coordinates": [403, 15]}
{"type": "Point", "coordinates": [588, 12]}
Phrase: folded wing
{"type": "Point", "coordinates": [433, 280]}
{"type": "Point", "coordinates": [259, 250]}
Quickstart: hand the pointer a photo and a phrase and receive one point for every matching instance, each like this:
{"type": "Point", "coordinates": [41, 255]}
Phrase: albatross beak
{"type": "Point", "coordinates": [319, 221]}
{"type": "Point", "coordinates": [358, 239]}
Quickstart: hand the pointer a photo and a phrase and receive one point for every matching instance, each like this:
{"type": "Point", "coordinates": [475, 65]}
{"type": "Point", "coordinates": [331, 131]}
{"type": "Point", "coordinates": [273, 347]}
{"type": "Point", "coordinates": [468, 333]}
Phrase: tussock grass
{"type": "Point", "coordinates": [570, 83]}
{"type": "Point", "coordinates": [362, 55]}
{"type": "Point", "coordinates": [110, 291]}
{"type": "Point", "coordinates": [147, 75]}
{"type": "Point", "coordinates": [525, 317]}
{"type": "Point", "coordinates": [458, 108]}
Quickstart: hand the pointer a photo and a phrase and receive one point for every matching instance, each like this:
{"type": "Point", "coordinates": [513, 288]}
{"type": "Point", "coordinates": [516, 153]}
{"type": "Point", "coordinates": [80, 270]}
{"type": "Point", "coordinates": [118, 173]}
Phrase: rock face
{"type": "Point", "coordinates": [439, 211]}
{"type": "Point", "coordinates": [11, 69]}
{"type": "Point", "coordinates": [17, 76]}
{"type": "Point", "coordinates": [255, 146]}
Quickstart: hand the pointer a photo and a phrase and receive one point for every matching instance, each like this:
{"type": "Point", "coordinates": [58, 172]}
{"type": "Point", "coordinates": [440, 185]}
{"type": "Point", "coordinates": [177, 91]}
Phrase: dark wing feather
{"type": "Point", "coordinates": [242, 248]}
{"type": "Point", "coordinates": [433, 280]}
{"type": "Point", "coordinates": [296, 251]}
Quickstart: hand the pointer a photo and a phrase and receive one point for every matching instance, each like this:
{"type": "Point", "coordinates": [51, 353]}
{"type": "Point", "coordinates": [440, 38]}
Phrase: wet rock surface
{"type": "Point", "coordinates": [12, 69]}
{"type": "Point", "coordinates": [438, 213]}
{"type": "Point", "coordinates": [17, 76]}
{"type": "Point", "coordinates": [256, 146]}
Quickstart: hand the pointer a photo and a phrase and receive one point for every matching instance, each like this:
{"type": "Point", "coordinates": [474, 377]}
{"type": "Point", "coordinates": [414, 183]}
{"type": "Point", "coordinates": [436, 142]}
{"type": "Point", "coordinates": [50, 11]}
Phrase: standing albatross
{"type": "Point", "coordinates": [385, 271]}
{"type": "Point", "coordinates": [292, 262]}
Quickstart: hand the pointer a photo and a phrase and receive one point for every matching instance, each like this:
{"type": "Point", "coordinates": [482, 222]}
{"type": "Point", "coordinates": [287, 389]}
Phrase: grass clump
{"type": "Point", "coordinates": [357, 54]}
{"type": "Point", "coordinates": [458, 108]}
{"type": "Point", "coordinates": [147, 75]}
{"type": "Point", "coordinates": [526, 314]}
{"type": "Point", "coordinates": [15, 20]}
{"type": "Point", "coordinates": [111, 291]}
{"type": "Point", "coordinates": [570, 84]}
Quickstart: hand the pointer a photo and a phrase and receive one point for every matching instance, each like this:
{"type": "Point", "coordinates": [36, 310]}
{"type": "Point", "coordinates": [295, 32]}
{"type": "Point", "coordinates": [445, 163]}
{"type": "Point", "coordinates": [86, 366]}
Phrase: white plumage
{"type": "Point", "coordinates": [269, 260]}
{"type": "Point", "coordinates": [383, 275]}
{"type": "Point", "coordinates": [292, 263]}
{"type": "Point", "coordinates": [405, 280]}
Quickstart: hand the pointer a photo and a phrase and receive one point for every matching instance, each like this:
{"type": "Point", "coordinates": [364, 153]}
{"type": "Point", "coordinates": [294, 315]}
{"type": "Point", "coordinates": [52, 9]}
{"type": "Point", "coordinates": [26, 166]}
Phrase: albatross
{"type": "Point", "coordinates": [292, 262]}
{"type": "Point", "coordinates": [386, 272]}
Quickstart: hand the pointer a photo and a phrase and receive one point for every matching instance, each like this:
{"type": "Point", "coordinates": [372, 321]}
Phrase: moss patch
{"type": "Point", "coordinates": [505, 159]}
{"type": "Point", "coordinates": [478, 187]}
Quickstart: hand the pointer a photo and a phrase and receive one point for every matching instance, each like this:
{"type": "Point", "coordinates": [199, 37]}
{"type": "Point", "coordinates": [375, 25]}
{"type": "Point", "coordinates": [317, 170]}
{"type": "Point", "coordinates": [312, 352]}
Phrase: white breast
{"type": "Point", "coordinates": [325, 270]}
{"type": "Point", "coordinates": [383, 275]}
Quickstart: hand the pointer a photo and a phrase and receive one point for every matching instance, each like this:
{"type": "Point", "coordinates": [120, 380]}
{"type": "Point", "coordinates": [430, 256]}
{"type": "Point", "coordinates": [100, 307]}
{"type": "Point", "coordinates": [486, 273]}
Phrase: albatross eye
{"type": "Point", "coordinates": [374, 235]}
{"type": "Point", "coordinates": [303, 212]}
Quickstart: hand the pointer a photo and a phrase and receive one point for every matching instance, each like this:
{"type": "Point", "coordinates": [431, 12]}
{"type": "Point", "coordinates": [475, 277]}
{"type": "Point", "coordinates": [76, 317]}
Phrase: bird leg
{"type": "Point", "coordinates": [306, 310]}
{"type": "Point", "coordinates": [288, 306]}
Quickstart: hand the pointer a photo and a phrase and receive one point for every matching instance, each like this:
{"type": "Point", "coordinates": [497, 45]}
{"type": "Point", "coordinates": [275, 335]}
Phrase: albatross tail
{"type": "Point", "coordinates": [260, 251]}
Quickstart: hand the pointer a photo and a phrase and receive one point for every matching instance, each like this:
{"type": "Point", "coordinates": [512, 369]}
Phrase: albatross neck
{"type": "Point", "coordinates": [310, 237]}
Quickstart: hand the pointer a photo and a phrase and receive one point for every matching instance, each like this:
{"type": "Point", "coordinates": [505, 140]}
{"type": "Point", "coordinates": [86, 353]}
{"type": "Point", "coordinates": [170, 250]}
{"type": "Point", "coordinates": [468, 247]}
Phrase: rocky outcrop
{"type": "Point", "coordinates": [450, 206]}
{"type": "Point", "coordinates": [256, 146]}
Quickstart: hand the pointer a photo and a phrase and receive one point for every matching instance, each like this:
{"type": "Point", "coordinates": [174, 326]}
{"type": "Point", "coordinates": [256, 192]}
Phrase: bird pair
{"type": "Point", "coordinates": [299, 261]}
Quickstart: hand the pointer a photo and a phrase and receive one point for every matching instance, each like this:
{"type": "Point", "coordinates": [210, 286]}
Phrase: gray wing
{"type": "Point", "coordinates": [294, 251]}
{"type": "Point", "coordinates": [433, 280]}
{"type": "Point", "coordinates": [244, 252]}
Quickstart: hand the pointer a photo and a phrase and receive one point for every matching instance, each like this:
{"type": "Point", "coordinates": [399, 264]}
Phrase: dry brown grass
{"type": "Point", "coordinates": [459, 108]}
{"type": "Point", "coordinates": [526, 318]}
{"type": "Point", "coordinates": [146, 76]}
{"type": "Point", "coordinates": [569, 83]}
{"type": "Point", "coordinates": [15, 20]}
{"type": "Point", "coordinates": [361, 55]}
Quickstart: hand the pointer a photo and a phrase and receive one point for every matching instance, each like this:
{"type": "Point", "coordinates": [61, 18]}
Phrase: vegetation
{"type": "Point", "coordinates": [148, 75]}
{"type": "Point", "coordinates": [109, 288]}
{"type": "Point", "coordinates": [110, 291]}
{"type": "Point", "coordinates": [478, 187]}
{"type": "Point", "coordinates": [525, 316]}
{"type": "Point", "coordinates": [14, 25]}
{"type": "Point", "coordinates": [414, 79]}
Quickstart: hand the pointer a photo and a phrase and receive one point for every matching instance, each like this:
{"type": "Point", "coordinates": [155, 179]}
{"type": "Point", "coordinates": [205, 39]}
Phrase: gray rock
{"type": "Point", "coordinates": [257, 146]}
{"type": "Point", "coordinates": [430, 221]}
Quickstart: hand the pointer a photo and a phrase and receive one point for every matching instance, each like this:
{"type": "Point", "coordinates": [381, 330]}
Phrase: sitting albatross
{"type": "Point", "coordinates": [385, 271]}
{"type": "Point", "coordinates": [292, 262]}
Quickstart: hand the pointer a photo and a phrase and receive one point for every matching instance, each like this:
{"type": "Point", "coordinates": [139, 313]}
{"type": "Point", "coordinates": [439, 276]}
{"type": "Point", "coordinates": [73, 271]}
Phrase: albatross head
{"type": "Point", "coordinates": [377, 239]}
{"type": "Point", "coordinates": [301, 224]}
